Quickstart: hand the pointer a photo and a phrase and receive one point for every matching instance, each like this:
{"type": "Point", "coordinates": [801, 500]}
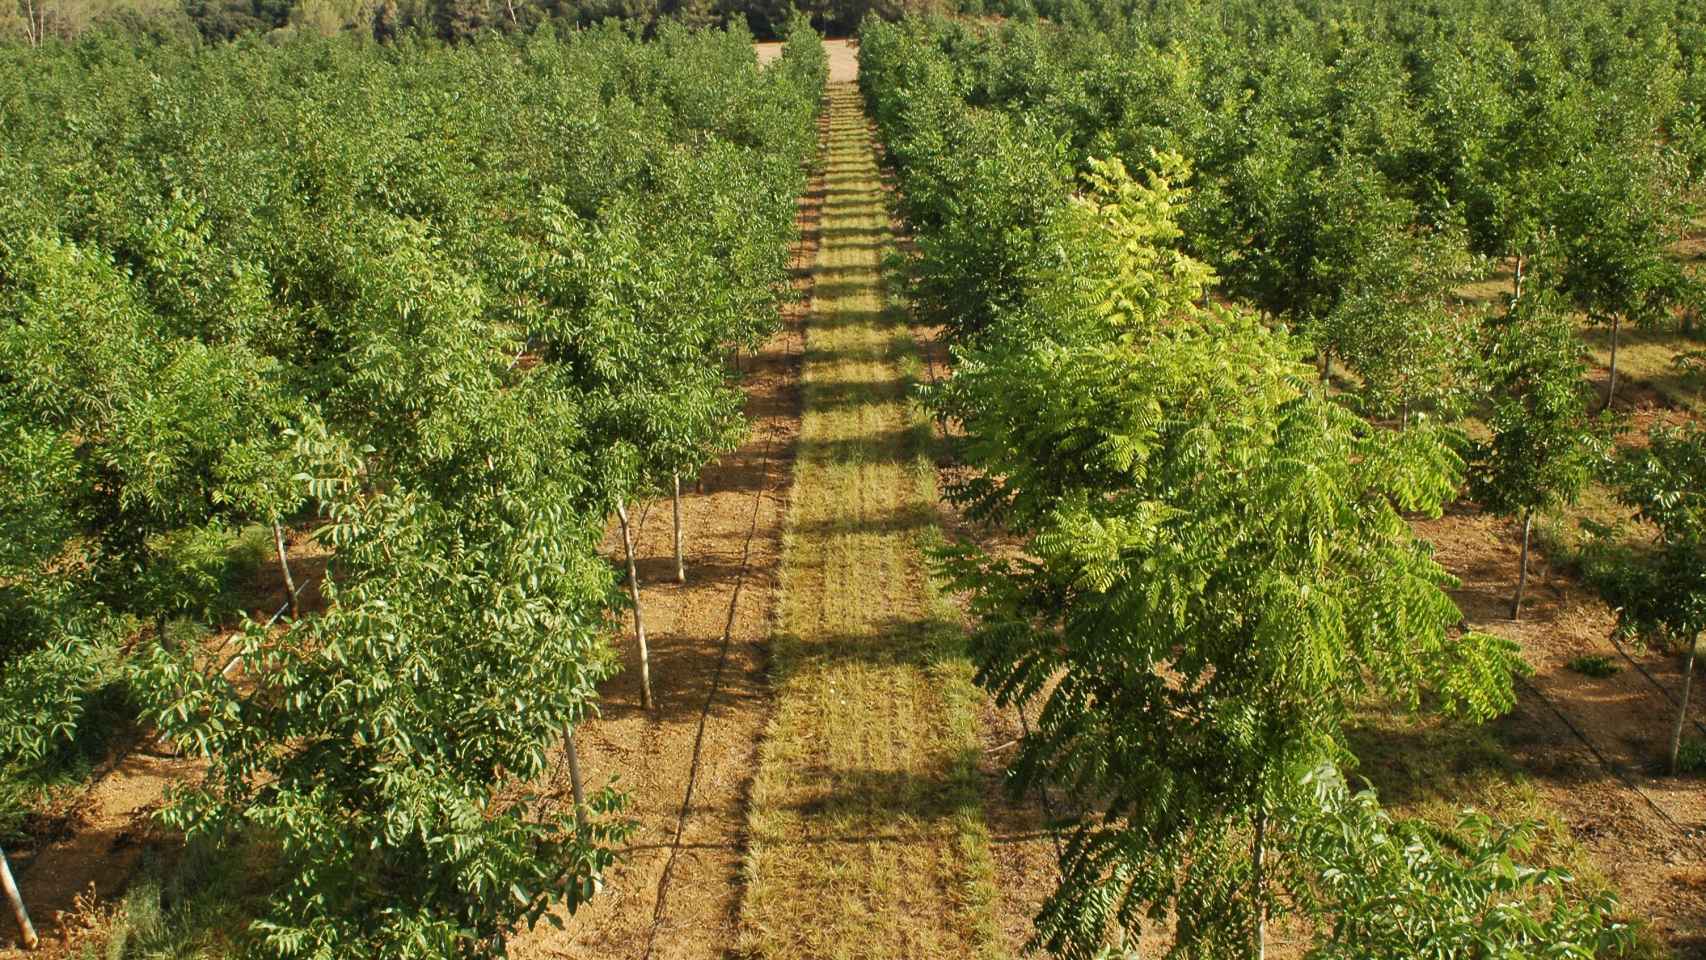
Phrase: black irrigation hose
{"type": "Point", "coordinates": [705, 711]}
{"type": "Point", "coordinates": [1048, 802]}
{"type": "Point", "coordinates": [1653, 680]}
{"type": "Point", "coordinates": [1604, 761]}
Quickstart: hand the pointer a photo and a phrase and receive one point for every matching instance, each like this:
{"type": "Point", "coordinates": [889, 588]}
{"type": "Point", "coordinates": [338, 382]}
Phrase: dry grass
{"type": "Point", "coordinates": [867, 833]}
{"type": "Point", "coordinates": [1647, 371]}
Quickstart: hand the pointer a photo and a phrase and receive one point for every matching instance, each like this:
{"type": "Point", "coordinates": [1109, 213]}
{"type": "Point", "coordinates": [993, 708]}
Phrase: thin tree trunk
{"type": "Point", "coordinates": [1682, 711]}
{"type": "Point", "coordinates": [1258, 883]}
{"type": "Point", "coordinates": [1522, 566]}
{"type": "Point", "coordinates": [26, 929]}
{"type": "Point", "coordinates": [284, 567]}
{"type": "Point", "coordinates": [1611, 386]}
{"type": "Point", "coordinates": [639, 620]}
{"type": "Point", "coordinates": [675, 501]}
{"type": "Point", "coordinates": [1516, 280]}
{"type": "Point", "coordinates": [577, 787]}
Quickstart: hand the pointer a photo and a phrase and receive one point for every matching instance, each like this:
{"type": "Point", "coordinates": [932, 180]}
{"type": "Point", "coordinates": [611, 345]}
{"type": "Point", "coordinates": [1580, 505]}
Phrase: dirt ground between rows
{"type": "Point", "coordinates": [673, 898]}
{"type": "Point", "coordinates": [1594, 747]}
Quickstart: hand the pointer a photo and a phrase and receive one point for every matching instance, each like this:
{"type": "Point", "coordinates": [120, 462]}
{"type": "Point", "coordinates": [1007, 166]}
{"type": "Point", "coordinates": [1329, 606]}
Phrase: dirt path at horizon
{"type": "Point", "coordinates": [867, 832]}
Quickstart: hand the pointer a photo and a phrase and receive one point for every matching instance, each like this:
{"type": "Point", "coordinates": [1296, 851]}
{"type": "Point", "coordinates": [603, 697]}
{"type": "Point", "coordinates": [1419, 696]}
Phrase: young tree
{"type": "Point", "coordinates": [1215, 565]}
{"type": "Point", "coordinates": [20, 914]}
{"type": "Point", "coordinates": [1544, 445]}
{"type": "Point", "coordinates": [1660, 591]}
{"type": "Point", "coordinates": [1619, 210]}
{"type": "Point", "coordinates": [391, 742]}
{"type": "Point", "coordinates": [1398, 889]}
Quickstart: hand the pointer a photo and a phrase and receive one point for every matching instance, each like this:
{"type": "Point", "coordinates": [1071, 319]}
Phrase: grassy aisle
{"type": "Point", "coordinates": [867, 835]}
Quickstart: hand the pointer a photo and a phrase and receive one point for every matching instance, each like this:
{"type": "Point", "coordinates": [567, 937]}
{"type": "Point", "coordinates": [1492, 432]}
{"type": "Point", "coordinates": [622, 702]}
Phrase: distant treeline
{"type": "Point", "coordinates": [38, 21]}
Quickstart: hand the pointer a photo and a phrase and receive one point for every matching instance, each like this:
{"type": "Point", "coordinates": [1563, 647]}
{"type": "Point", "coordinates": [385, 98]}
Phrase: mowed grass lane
{"type": "Point", "coordinates": [867, 835]}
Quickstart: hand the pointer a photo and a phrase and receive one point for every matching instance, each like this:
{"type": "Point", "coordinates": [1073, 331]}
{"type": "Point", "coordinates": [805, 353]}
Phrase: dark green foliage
{"type": "Point", "coordinates": [1594, 665]}
{"type": "Point", "coordinates": [1660, 591]}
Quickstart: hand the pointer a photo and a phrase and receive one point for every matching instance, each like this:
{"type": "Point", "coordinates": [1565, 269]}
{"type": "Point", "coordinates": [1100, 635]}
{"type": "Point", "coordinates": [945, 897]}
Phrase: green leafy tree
{"type": "Point", "coordinates": [390, 743]}
{"type": "Point", "coordinates": [1545, 445]}
{"type": "Point", "coordinates": [1618, 212]}
{"type": "Point", "coordinates": [1397, 889]}
{"type": "Point", "coordinates": [1660, 591]}
{"type": "Point", "coordinates": [1215, 565]}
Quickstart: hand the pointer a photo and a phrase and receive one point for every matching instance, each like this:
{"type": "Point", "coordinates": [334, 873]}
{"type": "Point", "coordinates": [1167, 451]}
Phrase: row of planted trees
{"type": "Point", "coordinates": [1216, 564]}
{"type": "Point", "coordinates": [1355, 165]}
{"type": "Point", "coordinates": [442, 311]}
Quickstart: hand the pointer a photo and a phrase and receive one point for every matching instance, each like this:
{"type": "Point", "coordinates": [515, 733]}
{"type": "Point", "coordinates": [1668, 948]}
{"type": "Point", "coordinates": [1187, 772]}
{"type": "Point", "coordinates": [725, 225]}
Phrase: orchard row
{"type": "Point", "coordinates": [447, 310]}
{"type": "Point", "coordinates": [1216, 566]}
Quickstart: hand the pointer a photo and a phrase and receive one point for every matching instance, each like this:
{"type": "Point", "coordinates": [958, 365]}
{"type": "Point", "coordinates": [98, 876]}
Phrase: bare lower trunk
{"type": "Point", "coordinates": [577, 787]}
{"type": "Point", "coordinates": [1682, 711]}
{"type": "Point", "coordinates": [1258, 883]}
{"type": "Point", "coordinates": [639, 619]}
{"type": "Point", "coordinates": [26, 930]}
{"type": "Point", "coordinates": [1611, 385]}
{"type": "Point", "coordinates": [284, 567]}
{"type": "Point", "coordinates": [1516, 280]}
{"type": "Point", "coordinates": [680, 564]}
{"type": "Point", "coordinates": [1522, 565]}
{"type": "Point", "coordinates": [35, 22]}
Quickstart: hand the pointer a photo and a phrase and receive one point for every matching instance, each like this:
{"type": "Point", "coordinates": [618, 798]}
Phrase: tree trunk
{"type": "Point", "coordinates": [33, 27]}
{"type": "Point", "coordinates": [680, 564]}
{"type": "Point", "coordinates": [1258, 883]}
{"type": "Point", "coordinates": [1611, 386]}
{"type": "Point", "coordinates": [26, 930]}
{"type": "Point", "coordinates": [284, 566]}
{"type": "Point", "coordinates": [1516, 280]}
{"type": "Point", "coordinates": [577, 787]}
{"type": "Point", "coordinates": [639, 620]}
{"type": "Point", "coordinates": [1522, 566]}
{"type": "Point", "coordinates": [1682, 711]}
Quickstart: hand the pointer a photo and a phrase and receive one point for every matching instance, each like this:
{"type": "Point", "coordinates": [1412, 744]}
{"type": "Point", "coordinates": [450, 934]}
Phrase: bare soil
{"type": "Point", "coordinates": [1593, 747]}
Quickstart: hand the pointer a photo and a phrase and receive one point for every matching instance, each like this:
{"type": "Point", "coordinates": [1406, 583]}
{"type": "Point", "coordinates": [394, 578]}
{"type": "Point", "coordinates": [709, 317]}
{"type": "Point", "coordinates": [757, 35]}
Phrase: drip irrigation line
{"type": "Point", "coordinates": [1604, 761]}
{"type": "Point", "coordinates": [1043, 794]}
{"type": "Point", "coordinates": [675, 847]}
{"type": "Point", "coordinates": [1653, 680]}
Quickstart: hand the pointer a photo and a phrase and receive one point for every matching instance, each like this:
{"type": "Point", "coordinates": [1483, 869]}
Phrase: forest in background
{"type": "Point", "coordinates": [37, 21]}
